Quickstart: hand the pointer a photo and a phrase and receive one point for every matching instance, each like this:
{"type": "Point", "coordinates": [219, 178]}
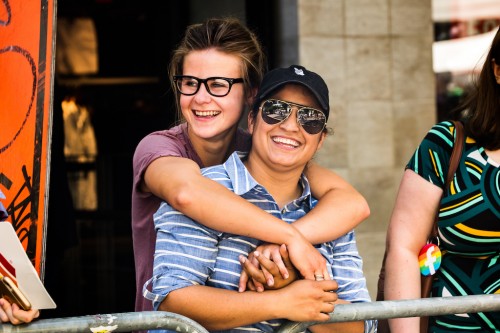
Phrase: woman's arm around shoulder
{"type": "Point", "coordinates": [340, 208]}
{"type": "Point", "coordinates": [178, 181]}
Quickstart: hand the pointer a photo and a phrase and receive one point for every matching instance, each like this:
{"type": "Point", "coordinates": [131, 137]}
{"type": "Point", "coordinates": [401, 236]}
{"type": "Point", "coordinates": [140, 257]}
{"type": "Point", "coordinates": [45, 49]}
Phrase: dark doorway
{"type": "Point", "coordinates": [89, 262]}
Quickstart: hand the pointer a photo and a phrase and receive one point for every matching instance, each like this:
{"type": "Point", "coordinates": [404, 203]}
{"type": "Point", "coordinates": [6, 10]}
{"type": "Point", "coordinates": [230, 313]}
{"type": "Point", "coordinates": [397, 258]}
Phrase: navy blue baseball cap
{"type": "Point", "coordinates": [278, 77]}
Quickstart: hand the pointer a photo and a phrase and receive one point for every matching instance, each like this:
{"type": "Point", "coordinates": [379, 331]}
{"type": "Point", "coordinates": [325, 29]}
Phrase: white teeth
{"type": "Point", "coordinates": [206, 113]}
{"type": "Point", "coordinates": [286, 141]}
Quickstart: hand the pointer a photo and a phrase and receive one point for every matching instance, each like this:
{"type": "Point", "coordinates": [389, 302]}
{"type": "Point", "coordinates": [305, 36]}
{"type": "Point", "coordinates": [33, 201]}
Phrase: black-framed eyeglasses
{"type": "Point", "coordinates": [216, 86]}
{"type": "Point", "coordinates": [275, 111]}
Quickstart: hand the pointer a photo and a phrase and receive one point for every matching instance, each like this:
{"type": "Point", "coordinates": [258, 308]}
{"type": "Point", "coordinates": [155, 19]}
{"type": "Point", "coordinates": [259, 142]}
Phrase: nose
{"type": "Point", "coordinates": [202, 95]}
{"type": "Point", "coordinates": [290, 124]}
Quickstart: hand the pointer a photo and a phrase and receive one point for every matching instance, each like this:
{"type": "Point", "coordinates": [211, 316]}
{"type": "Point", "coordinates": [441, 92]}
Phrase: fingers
{"type": "Point", "coordinates": [315, 300]}
{"type": "Point", "coordinates": [14, 314]}
{"type": "Point", "coordinates": [285, 255]}
{"type": "Point", "coordinates": [278, 259]}
{"type": "Point", "coordinates": [23, 316]}
{"type": "Point", "coordinates": [328, 298]}
{"type": "Point", "coordinates": [330, 285]}
{"type": "Point", "coordinates": [268, 268]}
{"type": "Point", "coordinates": [9, 316]}
{"type": "Point", "coordinates": [3, 313]}
{"type": "Point", "coordinates": [326, 274]}
{"type": "Point", "coordinates": [328, 307]}
{"type": "Point", "coordinates": [251, 286]}
{"type": "Point", "coordinates": [254, 273]}
{"type": "Point", "coordinates": [306, 258]}
{"type": "Point", "coordinates": [322, 276]}
{"type": "Point", "coordinates": [319, 277]}
{"type": "Point", "coordinates": [243, 276]}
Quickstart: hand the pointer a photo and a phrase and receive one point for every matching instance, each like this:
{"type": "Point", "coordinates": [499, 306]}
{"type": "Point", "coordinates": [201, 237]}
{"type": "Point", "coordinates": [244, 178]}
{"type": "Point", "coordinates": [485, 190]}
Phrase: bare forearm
{"type": "Point", "coordinates": [179, 182]}
{"type": "Point", "coordinates": [402, 281]}
{"type": "Point", "coordinates": [340, 208]}
{"type": "Point", "coordinates": [337, 212]}
{"type": "Point", "coordinates": [348, 327]}
{"type": "Point", "coordinates": [411, 223]}
{"type": "Point", "coordinates": [221, 309]}
{"type": "Point", "coordinates": [215, 206]}
{"type": "Point", "coordinates": [218, 309]}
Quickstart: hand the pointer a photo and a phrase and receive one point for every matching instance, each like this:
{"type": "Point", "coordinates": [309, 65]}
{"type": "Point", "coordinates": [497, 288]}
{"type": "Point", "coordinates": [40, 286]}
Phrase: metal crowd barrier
{"type": "Point", "coordinates": [126, 322]}
{"type": "Point", "coordinates": [115, 322]}
{"type": "Point", "coordinates": [422, 307]}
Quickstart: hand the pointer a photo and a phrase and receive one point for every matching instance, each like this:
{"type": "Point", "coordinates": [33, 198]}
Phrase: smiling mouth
{"type": "Point", "coordinates": [206, 113]}
{"type": "Point", "coordinates": [285, 141]}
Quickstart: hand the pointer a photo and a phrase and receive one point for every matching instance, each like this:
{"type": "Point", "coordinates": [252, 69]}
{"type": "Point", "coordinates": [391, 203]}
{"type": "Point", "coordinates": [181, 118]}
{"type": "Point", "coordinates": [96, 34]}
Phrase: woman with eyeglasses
{"type": "Point", "coordinates": [197, 268]}
{"type": "Point", "coordinates": [216, 71]}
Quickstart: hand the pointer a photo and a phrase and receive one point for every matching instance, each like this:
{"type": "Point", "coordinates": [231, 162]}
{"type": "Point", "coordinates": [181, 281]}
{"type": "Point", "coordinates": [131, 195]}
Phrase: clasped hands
{"type": "Point", "coordinates": [270, 267]}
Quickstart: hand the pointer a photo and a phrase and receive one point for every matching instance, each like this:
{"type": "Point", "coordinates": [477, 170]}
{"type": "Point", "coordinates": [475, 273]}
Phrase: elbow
{"type": "Point", "coordinates": [363, 209]}
{"type": "Point", "coordinates": [182, 195]}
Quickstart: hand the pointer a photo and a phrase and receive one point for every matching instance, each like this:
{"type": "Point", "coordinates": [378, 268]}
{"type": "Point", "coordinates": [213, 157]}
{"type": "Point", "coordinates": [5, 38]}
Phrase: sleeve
{"type": "Point", "coordinates": [153, 146]}
{"type": "Point", "coordinates": [432, 157]}
{"type": "Point", "coordinates": [347, 269]}
{"type": "Point", "coordinates": [185, 253]}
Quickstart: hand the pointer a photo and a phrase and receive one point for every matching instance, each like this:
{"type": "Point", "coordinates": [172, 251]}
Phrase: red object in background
{"type": "Point", "coordinates": [6, 269]}
{"type": "Point", "coordinates": [26, 84]}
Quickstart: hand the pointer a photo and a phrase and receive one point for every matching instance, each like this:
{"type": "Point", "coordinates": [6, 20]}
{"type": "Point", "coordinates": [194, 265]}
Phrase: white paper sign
{"type": "Point", "coordinates": [27, 278]}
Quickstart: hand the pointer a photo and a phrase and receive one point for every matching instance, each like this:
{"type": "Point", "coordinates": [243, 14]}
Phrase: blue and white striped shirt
{"type": "Point", "coordinates": [188, 253]}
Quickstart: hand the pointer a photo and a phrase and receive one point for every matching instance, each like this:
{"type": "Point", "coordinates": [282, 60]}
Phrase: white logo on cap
{"type": "Point", "coordinates": [298, 71]}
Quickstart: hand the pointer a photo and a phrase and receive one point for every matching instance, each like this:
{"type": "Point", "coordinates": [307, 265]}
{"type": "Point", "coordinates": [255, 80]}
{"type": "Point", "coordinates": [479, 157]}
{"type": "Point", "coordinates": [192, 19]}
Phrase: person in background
{"type": "Point", "coordinates": [469, 212]}
{"type": "Point", "coordinates": [216, 71]}
{"type": "Point", "coordinates": [12, 313]}
{"type": "Point", "coordinates": [197, 268]}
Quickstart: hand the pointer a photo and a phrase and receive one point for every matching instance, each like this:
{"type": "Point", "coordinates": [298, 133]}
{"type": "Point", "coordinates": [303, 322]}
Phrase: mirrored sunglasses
{"type": "Point", "coordinates": [274, 111]}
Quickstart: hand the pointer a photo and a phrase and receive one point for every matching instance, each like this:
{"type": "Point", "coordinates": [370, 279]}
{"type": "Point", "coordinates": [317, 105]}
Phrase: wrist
{"type": "Point", "coordinates": [294, 236]}
{"type": "Point", "coordinates": [274, 304]}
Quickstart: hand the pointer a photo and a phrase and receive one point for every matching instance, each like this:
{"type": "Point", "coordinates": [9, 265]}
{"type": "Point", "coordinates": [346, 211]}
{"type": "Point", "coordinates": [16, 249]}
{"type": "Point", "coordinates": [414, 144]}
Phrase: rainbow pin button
{"type": "Point", "coordinates": [429, 259]}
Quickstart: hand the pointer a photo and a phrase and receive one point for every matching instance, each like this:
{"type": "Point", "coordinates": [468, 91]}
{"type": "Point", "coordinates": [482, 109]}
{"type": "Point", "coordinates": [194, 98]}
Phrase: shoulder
{"type": "Point", "coordinates": [431, 159]}
{"type": "Point", "coordinates": [159, 143]}
{"type": "Point", "coordinates": [170, 135]}
{"type": "Point", "coordinates": [442, 134]}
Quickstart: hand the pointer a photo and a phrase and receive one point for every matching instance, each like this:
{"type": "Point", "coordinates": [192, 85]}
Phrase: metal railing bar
{"type": "Point", "coordinates": [132, 321]}
{"type": "Point", "coordinates": [423, 307]}
{"type": "Point", "coordinates": [116, 322]}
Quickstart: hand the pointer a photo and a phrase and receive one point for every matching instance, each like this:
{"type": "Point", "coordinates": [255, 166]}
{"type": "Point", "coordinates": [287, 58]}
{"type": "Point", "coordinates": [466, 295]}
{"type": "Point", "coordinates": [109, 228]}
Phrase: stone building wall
{"type": "Point", "coordinates": [376, 56]}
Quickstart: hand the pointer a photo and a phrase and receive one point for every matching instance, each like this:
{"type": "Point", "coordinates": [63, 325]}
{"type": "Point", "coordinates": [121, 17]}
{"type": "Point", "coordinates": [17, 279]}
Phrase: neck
{"type": "Point", "coordinates": [215, 150]}
{"type": "Point", "coordinates": [282, 184]}
{"type": "Point", "coordinates": [494, 155]}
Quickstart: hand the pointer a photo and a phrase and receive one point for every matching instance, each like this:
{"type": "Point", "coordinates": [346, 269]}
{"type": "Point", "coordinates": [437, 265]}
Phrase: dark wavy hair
{"type": "Point", "coordinates": [480, 110]}
{"type": "Point", "coordinates": [228, 35]}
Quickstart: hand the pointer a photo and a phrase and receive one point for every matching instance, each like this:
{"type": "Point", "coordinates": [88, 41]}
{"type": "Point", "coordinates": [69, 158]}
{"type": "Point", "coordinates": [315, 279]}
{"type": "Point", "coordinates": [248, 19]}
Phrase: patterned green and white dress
{"type": "Point", "coordinates": [469, 226]}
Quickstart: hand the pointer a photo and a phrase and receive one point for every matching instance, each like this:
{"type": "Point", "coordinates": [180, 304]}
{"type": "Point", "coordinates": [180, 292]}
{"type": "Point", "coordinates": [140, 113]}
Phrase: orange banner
{"type": "Point", "coordinates": [26, 82]}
